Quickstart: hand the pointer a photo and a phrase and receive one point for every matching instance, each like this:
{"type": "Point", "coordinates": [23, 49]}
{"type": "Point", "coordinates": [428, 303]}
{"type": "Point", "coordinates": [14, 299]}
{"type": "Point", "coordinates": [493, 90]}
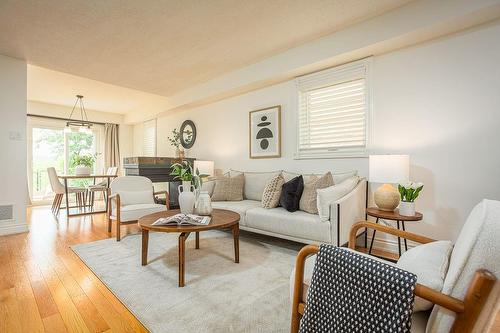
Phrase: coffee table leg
{"type": "Point", "coordinates": [145, 241]}
{"type": "Point", "coordinates": [236, 236]}
{"type": "Point", "coordinates": [182, 259]}
{"type": "Point", "coordinates": [197, 240]}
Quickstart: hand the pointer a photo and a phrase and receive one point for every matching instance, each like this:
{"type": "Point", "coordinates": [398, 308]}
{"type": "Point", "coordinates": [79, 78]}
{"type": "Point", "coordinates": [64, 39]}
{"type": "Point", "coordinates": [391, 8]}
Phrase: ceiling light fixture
{"type": "Point", "coordinates": [84, 124]}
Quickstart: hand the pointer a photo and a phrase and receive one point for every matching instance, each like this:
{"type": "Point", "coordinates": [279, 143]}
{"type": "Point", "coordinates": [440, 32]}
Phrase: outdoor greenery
{"type": "Point", "coordinates": [410, 191]}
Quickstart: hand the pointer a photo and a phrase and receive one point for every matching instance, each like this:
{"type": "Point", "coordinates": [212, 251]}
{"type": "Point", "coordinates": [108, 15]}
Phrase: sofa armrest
{"type": "Point", "coordinates": [346, 211]}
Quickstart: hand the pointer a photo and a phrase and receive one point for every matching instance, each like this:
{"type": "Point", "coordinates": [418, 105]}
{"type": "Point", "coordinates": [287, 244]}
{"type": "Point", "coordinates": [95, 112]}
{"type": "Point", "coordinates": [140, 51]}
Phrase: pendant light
{"type": "Point", "coordinates": [84, 124]}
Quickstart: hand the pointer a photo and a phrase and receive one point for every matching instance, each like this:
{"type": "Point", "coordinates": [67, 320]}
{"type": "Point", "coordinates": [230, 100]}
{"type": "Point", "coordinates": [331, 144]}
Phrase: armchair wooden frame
{"type": "Point", "coordinates": [116, 198]}
{"type": "Point", "coordinates": [467, 311]}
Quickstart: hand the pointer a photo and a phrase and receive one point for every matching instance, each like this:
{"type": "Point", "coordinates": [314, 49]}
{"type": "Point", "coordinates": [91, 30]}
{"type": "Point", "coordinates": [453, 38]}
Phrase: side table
{"type": "Point", "coordinates": [393, 216]}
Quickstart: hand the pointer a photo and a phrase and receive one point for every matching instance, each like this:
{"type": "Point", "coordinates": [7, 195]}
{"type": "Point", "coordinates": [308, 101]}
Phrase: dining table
{"type": "Point", "coordinates": [86, 209]}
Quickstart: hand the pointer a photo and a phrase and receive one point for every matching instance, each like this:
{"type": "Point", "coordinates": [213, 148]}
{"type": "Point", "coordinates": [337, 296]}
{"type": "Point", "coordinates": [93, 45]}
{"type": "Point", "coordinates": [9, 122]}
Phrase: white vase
{"type": "Point", "coordinates": [186, 197]}
{"type": "Point", "coordinates": [407, 208]}
{"type": "Point", "coordinates": [204, 204]}
{"type": "Point", "coordinates": [82, 170]}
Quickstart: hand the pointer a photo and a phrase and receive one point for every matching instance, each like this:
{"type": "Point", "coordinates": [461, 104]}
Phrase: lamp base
{"type": "Point", "coordinates": [386, 197]}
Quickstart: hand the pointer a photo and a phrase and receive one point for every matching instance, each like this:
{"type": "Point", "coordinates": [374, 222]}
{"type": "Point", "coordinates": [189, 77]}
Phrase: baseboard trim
{"type": "Point", "coordinates": [10, 227]}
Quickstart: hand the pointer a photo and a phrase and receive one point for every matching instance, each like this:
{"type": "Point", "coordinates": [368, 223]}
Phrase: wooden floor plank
{"type": "Point", "coordinates": [54, 324]}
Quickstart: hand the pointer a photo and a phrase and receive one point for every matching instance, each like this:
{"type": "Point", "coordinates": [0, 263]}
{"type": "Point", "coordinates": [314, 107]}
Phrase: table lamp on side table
{"type": "Point", "coordinates": [388, 170]}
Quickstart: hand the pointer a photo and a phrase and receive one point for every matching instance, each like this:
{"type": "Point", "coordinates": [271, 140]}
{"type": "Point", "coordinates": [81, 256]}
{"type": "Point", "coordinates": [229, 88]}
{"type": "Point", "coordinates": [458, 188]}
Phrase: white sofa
{"type": "Point", "coordinates": [297, 226]}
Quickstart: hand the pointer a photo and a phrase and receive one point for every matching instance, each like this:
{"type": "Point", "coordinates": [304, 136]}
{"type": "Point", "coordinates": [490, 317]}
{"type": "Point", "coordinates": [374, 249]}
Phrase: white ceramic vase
{"type": "Point", "coordinates": [407, 208]}
{"type": "Point", "coordinates": [204, 204]}
{"type": "Point", "coordinates": [187, 197]}
{"type": "Point", "coordinates": [82, 170]}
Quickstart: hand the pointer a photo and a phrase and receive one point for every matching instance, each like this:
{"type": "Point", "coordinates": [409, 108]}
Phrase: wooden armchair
{"type": "Point", "coordinates": [466, 310]}
{"type": "Point", "coordinates": [130, 198]}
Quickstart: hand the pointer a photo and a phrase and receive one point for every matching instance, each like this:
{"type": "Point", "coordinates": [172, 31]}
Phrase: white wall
{"type": "Point", "coordinates": [13, 150]}
{"type": "Point", "coordinates": [438, 102]}
{"type": "Point", "coordinates": [125, 131]}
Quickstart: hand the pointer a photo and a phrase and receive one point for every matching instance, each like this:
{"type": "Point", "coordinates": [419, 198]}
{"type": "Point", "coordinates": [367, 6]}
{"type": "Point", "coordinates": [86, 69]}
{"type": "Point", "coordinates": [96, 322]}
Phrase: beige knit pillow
{"type": "Point", "coordinates": [272, 192]}
{"type": "Point", "coordinates": [308, 201]}
{"type": "Point", "coordinates": [229, 188]}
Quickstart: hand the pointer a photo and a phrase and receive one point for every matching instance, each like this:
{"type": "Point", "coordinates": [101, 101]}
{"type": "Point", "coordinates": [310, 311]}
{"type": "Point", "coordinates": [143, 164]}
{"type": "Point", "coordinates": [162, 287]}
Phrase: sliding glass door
{"type": "Point", "coordinates": [50, 146]}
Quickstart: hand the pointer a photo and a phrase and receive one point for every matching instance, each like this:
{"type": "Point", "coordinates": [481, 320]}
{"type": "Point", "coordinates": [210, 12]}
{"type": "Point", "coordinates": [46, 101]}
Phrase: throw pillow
{"type": "Point", "coordinates": [327, 196]}
{"type": "Point", "coordinates": [272, 192]}
{"type": "Point", "coordinates": [308, 201]}
{"type": "Point", "coordinates": [228, 188]}
{"type": "Point", "coordinates": [429, 262]}
{"type": "Point", "coordinates": [291, 193]}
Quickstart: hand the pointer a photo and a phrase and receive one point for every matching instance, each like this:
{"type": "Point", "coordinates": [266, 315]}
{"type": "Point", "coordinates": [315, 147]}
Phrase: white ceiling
{"type": "Point", "coordinates": [161, 47]}
{"type": "Point", "coordinates": [48, 86]}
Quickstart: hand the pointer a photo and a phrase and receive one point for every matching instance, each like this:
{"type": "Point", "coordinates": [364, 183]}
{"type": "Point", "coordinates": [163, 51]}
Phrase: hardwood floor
{"type": "Point", "coordinates": [44, 287]}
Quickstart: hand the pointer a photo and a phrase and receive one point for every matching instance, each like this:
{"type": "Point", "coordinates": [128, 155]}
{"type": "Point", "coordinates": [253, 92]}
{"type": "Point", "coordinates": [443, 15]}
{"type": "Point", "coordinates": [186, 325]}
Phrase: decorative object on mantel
{"type": "Point", "coordinates": [84, 124]}
{"type": "Point", "coordinates": [388, 169]}
{"type": "Point", "coordinates": [409, 193]}
{"type": "Point", "coordinates": [175, 141]}
{"type": "Point", "coordinates": [187, 134]}
{"type": "Point", "coordinates": [83, 164]}
{"type": "Point", "coordinates": [265, 132]}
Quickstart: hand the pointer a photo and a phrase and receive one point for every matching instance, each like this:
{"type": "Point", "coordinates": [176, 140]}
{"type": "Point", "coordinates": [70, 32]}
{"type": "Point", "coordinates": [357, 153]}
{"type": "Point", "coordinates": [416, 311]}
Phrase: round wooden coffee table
{"type": "Point", "coordinates": [221, 219]}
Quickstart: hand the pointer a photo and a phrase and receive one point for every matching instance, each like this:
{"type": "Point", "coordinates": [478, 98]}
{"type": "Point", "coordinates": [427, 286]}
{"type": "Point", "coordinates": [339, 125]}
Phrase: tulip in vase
{"type": "Point", "coordinates": [409, 192]}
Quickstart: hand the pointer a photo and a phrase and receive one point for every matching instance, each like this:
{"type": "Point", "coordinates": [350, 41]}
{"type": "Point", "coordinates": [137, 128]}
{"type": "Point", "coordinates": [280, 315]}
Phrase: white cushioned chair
{"type": "Point", "coordinates": [474, 267]}
{"type": "Point", "coordinates": [132, 197]}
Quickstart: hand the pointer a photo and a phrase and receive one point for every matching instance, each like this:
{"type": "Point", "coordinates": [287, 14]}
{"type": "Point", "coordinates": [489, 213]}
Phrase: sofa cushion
{"type": "Point", "coordinates": [429, 262]}
{"type": "Point", "coordinates": [327, 196]}
{"type": "Point", "coordinates": [255, 182]}
{"type": "Point", "coordinates": [337, 177]}
{"type": "Point", "coordinates": [291, 193]}
{"type": "Point", "coordinates": [208, 186]}
{"type": "Point", "coordinates": [239, 207]}
{"type": "Point", "coordinates": [135, 212]}
{"type": "Point", "coordinates": [297, 224]}
{"type": "Point", "coordinates": [272, 192]}
{"type": "Point", "coordinates": [308, 200]}
{"type": "Point", "coordinates": [228, 188]}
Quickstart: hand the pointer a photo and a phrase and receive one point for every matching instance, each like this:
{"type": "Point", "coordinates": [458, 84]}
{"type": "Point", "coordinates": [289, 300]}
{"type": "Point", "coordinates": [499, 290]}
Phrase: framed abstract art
{"type": "Point", "coordinates": [265, 132]}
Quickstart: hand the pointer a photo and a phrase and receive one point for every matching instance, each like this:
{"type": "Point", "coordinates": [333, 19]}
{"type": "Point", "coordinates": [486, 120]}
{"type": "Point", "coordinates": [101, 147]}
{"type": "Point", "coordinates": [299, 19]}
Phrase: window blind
{"type": "Point", "coordinates": [333, 112]}
{"type": "Point", "coordinates": [149, 138]}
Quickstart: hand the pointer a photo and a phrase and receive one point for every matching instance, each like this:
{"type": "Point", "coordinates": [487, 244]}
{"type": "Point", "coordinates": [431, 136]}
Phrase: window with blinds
{"type": "Point", "coordinates": [149, 138]}
{"type": "Point", "coordinates": [334, 112]}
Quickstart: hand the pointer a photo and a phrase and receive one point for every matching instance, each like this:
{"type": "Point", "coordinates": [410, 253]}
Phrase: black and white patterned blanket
{"type": "Point", "coordinates": [350, 292]}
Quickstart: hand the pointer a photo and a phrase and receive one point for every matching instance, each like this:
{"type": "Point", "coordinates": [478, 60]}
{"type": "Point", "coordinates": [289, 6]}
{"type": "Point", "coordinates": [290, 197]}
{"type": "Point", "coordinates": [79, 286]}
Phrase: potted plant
{"type": "Point", "coordinates": [175, 141]}
{"type": "Point", "coordinates": [191, 180]}
{"type": "Point", "coordinates": [83, 164]}
{"type": "Point", "coordinates": [409, 192]}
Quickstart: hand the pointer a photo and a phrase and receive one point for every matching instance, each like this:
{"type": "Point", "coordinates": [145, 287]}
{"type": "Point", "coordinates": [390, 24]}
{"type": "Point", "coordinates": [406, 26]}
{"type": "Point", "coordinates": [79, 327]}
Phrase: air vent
{"type": "Point", "coordinates": [6, 212]}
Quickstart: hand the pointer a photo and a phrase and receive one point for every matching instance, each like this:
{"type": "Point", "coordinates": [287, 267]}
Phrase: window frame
{"type": "Point", "coordinates": [154, 141]}
{"type": "Point", "coordinates": [357, 152]}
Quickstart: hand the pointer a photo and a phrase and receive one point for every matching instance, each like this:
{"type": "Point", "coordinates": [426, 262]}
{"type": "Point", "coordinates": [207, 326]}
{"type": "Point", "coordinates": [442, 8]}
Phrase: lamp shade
{"type": "Point", "coordinates": [205, 167]}
{"type": "Point", "coordinates": [389, 168]}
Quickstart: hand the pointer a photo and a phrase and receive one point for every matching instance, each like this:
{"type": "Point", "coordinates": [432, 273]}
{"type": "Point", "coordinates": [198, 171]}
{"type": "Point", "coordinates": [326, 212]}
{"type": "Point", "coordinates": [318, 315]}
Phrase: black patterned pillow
{"type": "Point", "coordinates": [272, 192]}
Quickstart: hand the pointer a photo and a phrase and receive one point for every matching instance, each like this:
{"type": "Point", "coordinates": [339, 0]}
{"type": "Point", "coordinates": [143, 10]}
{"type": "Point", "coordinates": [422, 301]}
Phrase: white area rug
{"type": "Point", "coordinates": [219, 296]}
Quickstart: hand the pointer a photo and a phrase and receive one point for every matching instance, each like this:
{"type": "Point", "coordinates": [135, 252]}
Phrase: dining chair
{"type": "Point", "coordinates": [101, 186]}
{"type": "Point", "coordinates": [58, 189]}
{"type": "Point", "coordinates": [130, 198]}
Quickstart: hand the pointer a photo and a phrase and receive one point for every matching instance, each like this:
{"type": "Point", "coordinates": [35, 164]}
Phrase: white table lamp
{"type": "Point", "coordinates": [388, 170]}
{"type": "Point", "coordinates": [205, 167]}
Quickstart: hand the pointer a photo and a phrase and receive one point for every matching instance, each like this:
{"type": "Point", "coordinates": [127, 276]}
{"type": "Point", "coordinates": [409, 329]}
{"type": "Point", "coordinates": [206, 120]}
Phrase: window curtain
{"type": "Point", "coordinates": [111, 146]}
